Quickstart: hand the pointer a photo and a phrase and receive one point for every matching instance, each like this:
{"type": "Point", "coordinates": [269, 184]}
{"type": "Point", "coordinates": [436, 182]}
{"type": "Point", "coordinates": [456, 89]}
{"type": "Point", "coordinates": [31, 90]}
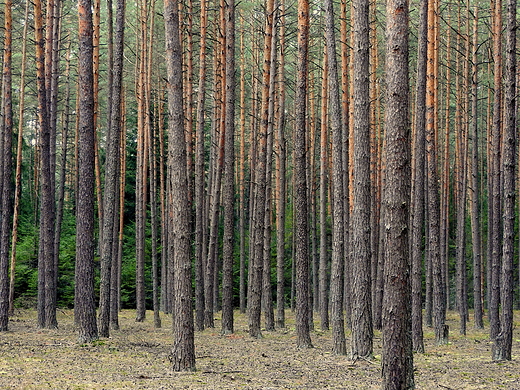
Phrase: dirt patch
{"type": "Point", "coordinates": [136, 357]}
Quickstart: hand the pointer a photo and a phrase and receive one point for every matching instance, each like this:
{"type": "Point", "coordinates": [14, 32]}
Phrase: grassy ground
{"type": "Point", "coordinates": [136, 357]}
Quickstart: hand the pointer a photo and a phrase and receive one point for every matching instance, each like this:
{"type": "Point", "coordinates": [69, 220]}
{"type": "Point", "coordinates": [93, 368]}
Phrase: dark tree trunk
{"type": "Point", "coordinates": [417, 219]}
{"type": "Point", "coordinates": [199, 175]}
{"type": "Point", "coordinates": [112, 173]}
{"type": "Point", "coordinates": [504, 340]}
{"type": "Point", "coordinates": [183, 351]}
{"type": "Point", "coordinates": [338, 248]}
{"type": "Point", "coordinates": [475, 187]}
{"type": "Point", "coordinates": [6, 133]}
{"type": "Point", "coordinates": [228, 190]}
{"type": "Point", "coordinates": [397, 353]}
{"type": "Point", "coordinates": [301, 209]}
{"type": "Point", "coordinates": [84, 305]}
{"type": "Point", "coordinates": [46, 271]}
{"type": "Point", "coordinates": [362, 333]}
{"type": "Point", "coordinates": [495, 196]}
{"type": "Point", "coordinates": [281, 182]}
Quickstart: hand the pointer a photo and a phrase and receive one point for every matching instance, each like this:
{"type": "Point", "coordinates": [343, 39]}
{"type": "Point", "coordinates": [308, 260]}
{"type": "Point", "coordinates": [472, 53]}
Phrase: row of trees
{"type": "Point", "coordinates": [261, 146]}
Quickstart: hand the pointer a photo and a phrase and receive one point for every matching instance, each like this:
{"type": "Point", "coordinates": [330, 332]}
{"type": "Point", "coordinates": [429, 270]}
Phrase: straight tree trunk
{"type": "Point", "coordinates": [300, 191]}
{"type": "Point", "coordinates": [475, 185]}
{"type": "Point", "coordinates": [323, 267]}
{"type": "Point", "coordinates": [84, 305]}
{"type": "Point", "coordinates": [267, 299]}
{"type": "Point", "coordinates": [228, 190]}
{"type": "Point", "coordinates": [434, 247]}
{"type": "Point", "coordinates": [199, 174]}
{"type": "Point", "coordinates": [18, 174]}
{"type": "Point", "coordinates": [258, 226]}
{"type": "Point", "coordinates": [338, 248]}
{"type": "Point", "coordinates": [112, 173]}
{"type": "Point", "coordinates": [281, 182]}
{"type": "Point", "coordinates": [183, 351]}
{"type": "Point", "coordinates": [345, 105]}
{"type": "Point", "coordinates": [46, 291]}
{"type": "Point", "coordinates": [397, 356]}
{"type": "Point", "coordinates": [418, 185]}
{"type": "Point", "coordinates": [242, 175]}
{"type": "Point", "coordinates": [6, 132]}
{"type": "Point", "coordinates": [362, 333]}
{"type": "Point", "coordinates": [495, 196]}
{"type": "Point", "coordinates": [502, 346]}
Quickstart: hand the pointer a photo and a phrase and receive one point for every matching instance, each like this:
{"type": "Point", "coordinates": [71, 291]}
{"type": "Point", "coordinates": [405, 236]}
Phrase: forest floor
{"type": "Point", "coordinates": [136, 357]}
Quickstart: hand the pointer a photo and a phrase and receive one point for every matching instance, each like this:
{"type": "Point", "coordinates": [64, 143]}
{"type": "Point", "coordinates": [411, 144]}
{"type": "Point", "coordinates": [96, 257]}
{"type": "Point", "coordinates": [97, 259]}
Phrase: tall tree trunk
{"type": "Point", "coordinates": [418, 183]}
{"type": "Point", "coordinates": [345, 105]}
{"type": "Point", "coordinates": [183, 351]}
{"type": "Point", "coordinates": [434, 247]}
{"type": "Point", "coordinates": [338, 246]}
{"type": "Point", "coordinates": [281, 181]}
{"type": "Point", "coordinates": [6, 132]}
{"type": "Point", "coordinates": [242, 175]}
{"type": "Point", "coordinates": [475, 185]}
{"type": "Point", "coordinates": [300, 189]}
{"type": "Point", "coordinates": [84, 305]}
{"type": "Point", "coordinates": [257, 252]}
{"type": "Point", "coordinates": [18, 174]}
{"type": "Point", "coordinates": [397, 353]}
{"type": "Point", "coordinates": [362, 333]}
{"type": "Point", "coordinates": [324, 257]}
{"type": "Point", "coordinates": [46, 291]}
{"type": "Point", "coordinates": [199, 174]}
{"type": "Point", "coordinates": [503, 343]}
{"type": "Point", "coordinates": [495, 196]}
{"type": "Point", "coordinates": [112, 172]}
{"type": "Point", "coordinates": [228, 190]}
{"type": "Point", "coordinates": [267, 295]}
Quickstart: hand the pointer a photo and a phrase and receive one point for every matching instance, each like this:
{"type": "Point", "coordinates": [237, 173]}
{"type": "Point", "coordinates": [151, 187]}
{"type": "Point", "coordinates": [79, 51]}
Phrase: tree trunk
{"type": "Point", "coordinates": [300, 189]}
{"type": "Point", "coordinates": [324, 257]}
{"type": "Point", "coordinates": [338, 248]}
{"type": "Point", "coordinates": [475, 186]}
{"type": "Point", "coordinates": [434, 247]}
{"type": "Point", "coordinates": [418, 183]}
{"type": "Point", "coordinates": [362, 333]}
{"type": "Point", "coordinates": [228, 190]}
{"type": "Point", "coordinates": [199, 174]}
{"type": "Point", "coordinates": [18, 174]}
{"type": "Point", "coordinates": [6, 131]}
{"type": "Point", "coordinates": [46, 271]}
{"type": "Point", "coordinates": [495, 196]}
{"type": "Point", "coordinates": [397, 356]}
{"type": "Point", "coordinates": [183, 351]}
{"type": "Point", "coordinates": [281, 182]}
{"type": "Point", "coordinates": [503, 343]}
{"type": "Point", "coordinates": [84, 307]}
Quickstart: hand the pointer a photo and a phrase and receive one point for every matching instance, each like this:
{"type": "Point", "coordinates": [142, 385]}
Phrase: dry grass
{"type": "Point", "coordinates": [136, 357]}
